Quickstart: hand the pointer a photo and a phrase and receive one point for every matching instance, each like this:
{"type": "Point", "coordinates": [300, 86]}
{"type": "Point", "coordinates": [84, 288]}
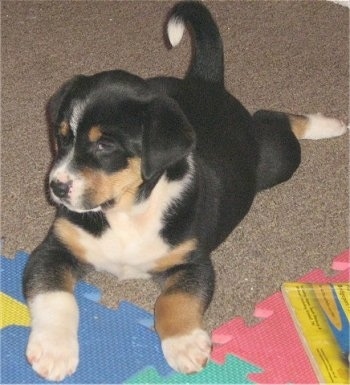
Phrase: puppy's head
{"type": "Point", "coordinates": [113, 135]}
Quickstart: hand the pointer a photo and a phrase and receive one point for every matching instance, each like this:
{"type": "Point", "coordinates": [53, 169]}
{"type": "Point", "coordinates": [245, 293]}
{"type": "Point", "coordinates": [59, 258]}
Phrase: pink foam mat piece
{"type": "Point", "coordinates": [273, 344]}
{"type": "Point", "coordinates": [342, 262]}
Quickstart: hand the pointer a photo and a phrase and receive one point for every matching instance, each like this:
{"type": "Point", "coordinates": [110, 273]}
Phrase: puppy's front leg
{"type": "Point", "coordinates": [179, 315]}
{"type": "Point", "coordinates": [49, 280]}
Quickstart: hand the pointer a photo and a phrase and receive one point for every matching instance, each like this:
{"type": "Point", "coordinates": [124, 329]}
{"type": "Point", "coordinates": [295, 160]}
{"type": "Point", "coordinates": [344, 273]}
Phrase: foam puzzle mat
{"type": "Point", "coordinates": [119, 346]}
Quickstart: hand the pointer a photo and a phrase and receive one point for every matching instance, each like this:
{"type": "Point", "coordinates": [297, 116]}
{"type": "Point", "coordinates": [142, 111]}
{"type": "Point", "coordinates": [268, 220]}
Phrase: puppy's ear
{"type": "Point", "coordinates": [55, 102]}
{"type": "Point", "coordinates": [167, 137]}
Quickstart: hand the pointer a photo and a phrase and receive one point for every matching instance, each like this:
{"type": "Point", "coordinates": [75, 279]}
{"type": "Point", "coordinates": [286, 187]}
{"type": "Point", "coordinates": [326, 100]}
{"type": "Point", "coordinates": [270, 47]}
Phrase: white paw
{"type": "Point", "coordinates": [53, 355]}
{"type": "Point", "coordinates": [189, 353]}
{"type": "Point", "coordinates": [322, 127]}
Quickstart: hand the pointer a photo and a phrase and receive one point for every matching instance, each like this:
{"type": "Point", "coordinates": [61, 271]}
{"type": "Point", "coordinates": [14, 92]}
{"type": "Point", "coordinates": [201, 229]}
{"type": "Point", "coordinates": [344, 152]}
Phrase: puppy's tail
{"type": "Point", "coordinates": [207, 63]}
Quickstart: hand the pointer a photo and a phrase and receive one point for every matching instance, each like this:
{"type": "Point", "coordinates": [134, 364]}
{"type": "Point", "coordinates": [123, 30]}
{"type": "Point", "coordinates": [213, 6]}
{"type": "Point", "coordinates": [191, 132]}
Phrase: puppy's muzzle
{"type": "Point", "coordinates": [60, 189]}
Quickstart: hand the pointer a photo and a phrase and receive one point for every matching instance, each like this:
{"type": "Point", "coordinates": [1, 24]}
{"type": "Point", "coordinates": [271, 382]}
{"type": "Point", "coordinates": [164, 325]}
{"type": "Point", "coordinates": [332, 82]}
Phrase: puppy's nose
{"type": "Point", "coordinates": [60, 189]}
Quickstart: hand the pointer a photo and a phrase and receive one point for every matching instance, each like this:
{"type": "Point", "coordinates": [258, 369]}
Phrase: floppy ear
{"type": "Point", "coordinates": [167, 137]}
{"type": "Point", "coordinates": [55, 102]}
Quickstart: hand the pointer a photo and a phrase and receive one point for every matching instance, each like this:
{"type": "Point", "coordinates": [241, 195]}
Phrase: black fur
{"type": "Point", "coordinates": [176, 127]}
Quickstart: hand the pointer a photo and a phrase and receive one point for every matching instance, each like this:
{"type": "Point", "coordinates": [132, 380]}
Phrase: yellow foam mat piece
{"type": "Point", "coordinates": [13, 312]}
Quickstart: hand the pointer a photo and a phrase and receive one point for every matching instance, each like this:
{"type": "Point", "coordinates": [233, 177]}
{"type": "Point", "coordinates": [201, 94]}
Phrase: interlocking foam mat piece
{"type": "Point", "coordinates": [115, 345]}
{"type": "Point", "coordinates": [120, 346]}
{"type": "Point", "coordinates": [273, 344]}
{"type": "Point", "coordinates": [233, 371]}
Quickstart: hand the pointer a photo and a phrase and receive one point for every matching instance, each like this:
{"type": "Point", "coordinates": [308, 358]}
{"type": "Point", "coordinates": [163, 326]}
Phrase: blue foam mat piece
{"type": "Point", "coordinates": [11, 273]}
{"type": "Point", "coordinates": [115, 344]}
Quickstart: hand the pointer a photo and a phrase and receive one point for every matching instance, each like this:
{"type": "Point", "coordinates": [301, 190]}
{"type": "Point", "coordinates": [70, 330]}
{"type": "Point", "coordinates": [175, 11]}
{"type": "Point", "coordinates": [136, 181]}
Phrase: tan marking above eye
{"type": "Point", "coordinates": [95, 134]}
{"type": "Point", "coordinates": [64, 128]}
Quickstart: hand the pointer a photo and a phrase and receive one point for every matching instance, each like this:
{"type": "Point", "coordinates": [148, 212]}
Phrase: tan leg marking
{"type": "Point", "coordinates": [65, 283]}
{"type": "Point", "coordinates": [177, 314]}
{"type": "Point", "coordinates": [69, 281]}
{"type": "Point", "coordinates": [186, 346]}
{"type": "Point", "coordinates": [177, 256]}
{"type": "Point", "coordinates": [299, 125]}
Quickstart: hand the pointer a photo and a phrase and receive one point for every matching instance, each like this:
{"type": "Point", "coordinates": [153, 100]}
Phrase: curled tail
{"type": "Point", "coordinates": [208, 62]}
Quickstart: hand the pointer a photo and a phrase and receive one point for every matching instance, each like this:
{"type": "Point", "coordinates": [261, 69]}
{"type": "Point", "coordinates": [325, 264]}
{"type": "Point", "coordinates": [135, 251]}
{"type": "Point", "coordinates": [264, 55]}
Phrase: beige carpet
{"type": "Point", "coordinates": [285, 55]}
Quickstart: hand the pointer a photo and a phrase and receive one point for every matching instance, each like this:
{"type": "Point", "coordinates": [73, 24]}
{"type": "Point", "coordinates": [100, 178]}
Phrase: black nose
{"type": "Point", "coordinates": [60, 189]}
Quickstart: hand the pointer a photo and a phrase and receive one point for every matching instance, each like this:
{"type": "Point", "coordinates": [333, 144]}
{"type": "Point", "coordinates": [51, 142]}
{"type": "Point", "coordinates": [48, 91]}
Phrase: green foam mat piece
{"type": "Point", "coordinates": [234, 371]}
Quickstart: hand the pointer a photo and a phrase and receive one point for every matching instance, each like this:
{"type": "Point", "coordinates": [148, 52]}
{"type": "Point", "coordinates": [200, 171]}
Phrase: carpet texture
{"type": "Point", "coordinates": [284, 55]}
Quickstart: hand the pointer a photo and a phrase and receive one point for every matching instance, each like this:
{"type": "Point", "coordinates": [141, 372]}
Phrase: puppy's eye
{"type": "Point", "coordinates": [105, 145]}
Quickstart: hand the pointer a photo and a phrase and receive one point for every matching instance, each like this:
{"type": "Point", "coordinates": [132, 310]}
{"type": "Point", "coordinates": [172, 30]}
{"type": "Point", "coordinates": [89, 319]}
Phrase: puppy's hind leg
{"type": "Point", "coordinates": [277, 134]}
{"type": "Point", "coordinates": [316, 126]}
{"type": "Point", "coordinates": [279, 149]}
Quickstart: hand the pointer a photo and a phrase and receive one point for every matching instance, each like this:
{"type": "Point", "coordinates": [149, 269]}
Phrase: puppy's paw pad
{"type": "Point", "coordinates": [188, 353]}
{"type": "Point", "coordinates": [52, 355]}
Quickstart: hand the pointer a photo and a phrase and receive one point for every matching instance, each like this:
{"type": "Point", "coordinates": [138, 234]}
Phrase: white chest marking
{"type": "Point", "coordinates": [128, 248]}
{"type": "Point", "coordinates": [132, 244]}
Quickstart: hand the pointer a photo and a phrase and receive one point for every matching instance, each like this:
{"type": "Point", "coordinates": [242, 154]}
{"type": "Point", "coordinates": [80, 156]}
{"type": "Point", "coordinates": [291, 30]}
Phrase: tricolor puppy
{"type": "Point", "coordinates": [151, 175]}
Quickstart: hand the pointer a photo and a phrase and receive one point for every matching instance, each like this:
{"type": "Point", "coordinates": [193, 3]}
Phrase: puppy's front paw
{"type": "Point", "coordinates": [53, 355]}
{"type": "Point", "coordinates": [188, 353]}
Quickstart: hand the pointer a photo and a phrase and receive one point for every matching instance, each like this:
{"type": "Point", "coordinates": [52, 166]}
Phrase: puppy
{"type": "Point", "coordinates": [150, 176]}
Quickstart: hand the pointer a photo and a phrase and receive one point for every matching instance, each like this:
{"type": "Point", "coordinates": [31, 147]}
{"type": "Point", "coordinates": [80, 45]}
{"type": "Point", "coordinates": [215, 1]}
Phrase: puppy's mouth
{"type": "Point", "coordinates": [90, 190]}
{"type": "Point", "coordinates": [81, 206]}
{"type": "Point", "coordinates": [82, 203]}
{"type": "Point", "coordinates": [109, 204]}
{"type": "Point", "coordinates": [82, 211]}
{"type": "Point", "coordinates": [84, 207]}
{"type": "Point", "coordinates": [78, 209]}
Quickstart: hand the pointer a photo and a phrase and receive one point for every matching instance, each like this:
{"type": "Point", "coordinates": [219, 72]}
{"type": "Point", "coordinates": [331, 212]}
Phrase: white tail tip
{"type": "Point", "coordinates": [175, 31]}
